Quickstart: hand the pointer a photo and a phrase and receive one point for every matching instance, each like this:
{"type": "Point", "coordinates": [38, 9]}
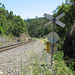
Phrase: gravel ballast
{"type": "Point", "coordinates": [14, 56]}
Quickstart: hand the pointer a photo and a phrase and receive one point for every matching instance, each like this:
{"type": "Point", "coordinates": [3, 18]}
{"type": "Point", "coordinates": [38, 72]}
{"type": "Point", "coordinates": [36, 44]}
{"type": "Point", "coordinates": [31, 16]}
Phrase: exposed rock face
{"type": "Point", "coordinates": [69, 43]}
{"type": "Point", "coordinates": [72, 33]}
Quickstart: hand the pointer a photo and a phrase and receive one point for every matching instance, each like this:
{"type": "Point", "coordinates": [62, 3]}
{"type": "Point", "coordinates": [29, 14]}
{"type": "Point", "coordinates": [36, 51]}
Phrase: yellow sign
{"type": "Point", "coordinates": [47, 47]}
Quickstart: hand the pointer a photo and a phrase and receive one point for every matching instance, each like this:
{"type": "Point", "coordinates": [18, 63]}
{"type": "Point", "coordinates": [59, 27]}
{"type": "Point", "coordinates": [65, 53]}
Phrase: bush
{"type": "Point", "coordinates": [1, 30]}
{"type": "Point", "coordinates": [60, 66]}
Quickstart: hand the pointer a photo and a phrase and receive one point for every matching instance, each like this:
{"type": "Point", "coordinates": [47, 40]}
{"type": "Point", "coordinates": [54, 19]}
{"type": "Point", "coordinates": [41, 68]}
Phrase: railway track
{"type": "Point", "coordinates": [14, 45]}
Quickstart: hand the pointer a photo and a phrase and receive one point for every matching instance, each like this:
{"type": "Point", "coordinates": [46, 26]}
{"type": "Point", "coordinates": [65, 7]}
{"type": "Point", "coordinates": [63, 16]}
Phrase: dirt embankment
{"type": "Point", "coordinates": [9, 40]}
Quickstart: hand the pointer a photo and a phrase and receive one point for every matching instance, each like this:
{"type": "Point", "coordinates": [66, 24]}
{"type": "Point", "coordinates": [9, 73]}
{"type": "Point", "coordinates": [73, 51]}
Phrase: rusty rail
{"type": "Point", "coordinates": [14, 45]}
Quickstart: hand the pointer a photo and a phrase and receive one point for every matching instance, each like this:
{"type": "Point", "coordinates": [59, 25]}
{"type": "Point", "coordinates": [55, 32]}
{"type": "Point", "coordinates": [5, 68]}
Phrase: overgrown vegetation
{"type": "Point", "coordinates": [60, 66]}
{"type": "Point", "coordinates": [39, 67]}
{"type": "Point", "coordinates": [11, 24]}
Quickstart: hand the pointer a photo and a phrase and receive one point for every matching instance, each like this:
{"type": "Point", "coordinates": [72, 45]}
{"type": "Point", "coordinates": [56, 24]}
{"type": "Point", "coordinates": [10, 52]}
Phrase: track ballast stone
{"type": "Point", "coordinates": [12, 58]}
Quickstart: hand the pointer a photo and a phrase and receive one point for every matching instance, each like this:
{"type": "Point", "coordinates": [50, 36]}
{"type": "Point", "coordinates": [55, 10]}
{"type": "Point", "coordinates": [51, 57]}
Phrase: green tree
{"type": "Point", "coordinates": [11, 24]}
{"type": "Point", "coordinates": [0, 3]}
{"type": "Point", "coordinates": [1, 30]}
{"type": "Point", "coordinates": [3, 6]}
{"type": "Point", "coordinates": [36, 27]}
{"type": "Point", "coordinates": [10, 15]}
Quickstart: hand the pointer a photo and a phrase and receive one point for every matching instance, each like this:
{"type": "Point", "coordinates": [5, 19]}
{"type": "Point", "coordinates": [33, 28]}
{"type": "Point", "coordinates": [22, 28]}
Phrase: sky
{"type": "Point", "coordinates": [31, 8]}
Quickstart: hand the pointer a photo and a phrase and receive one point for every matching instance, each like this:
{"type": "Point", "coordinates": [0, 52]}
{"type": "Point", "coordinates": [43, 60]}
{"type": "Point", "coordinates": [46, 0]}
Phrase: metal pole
{"type": "Point", "coordinates": [52, 45]}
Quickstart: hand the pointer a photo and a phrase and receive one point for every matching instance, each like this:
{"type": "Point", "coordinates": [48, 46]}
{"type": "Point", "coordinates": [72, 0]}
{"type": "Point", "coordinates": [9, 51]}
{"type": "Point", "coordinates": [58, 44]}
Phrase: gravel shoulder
{"type": "Point", "coordinates": [14, 56]}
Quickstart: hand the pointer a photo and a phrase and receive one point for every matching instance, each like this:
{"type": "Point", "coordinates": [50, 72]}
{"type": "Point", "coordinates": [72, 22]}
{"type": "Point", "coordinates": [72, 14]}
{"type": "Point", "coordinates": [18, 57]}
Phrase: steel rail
{"type": "Point", "coordinates": [14, 46]}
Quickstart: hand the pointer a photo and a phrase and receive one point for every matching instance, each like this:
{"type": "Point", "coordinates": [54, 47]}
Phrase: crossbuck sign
{"type": "Point", "coordinates": [54, 20]}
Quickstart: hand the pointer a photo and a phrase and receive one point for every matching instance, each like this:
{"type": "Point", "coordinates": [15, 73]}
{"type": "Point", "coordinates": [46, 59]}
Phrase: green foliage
{"type": "Point", "coordinates": [60, 66]}
{"type": "Point", "coordinates": [36, 27]}
{"type": "Point", "coordinates": [10, 23]}
{"type": "Point", "coordinates": [10, 36]}
{"type": "Point", "coordinates": [72, 0]}
{"type": "Point", "coordinates": [71, 65]}
{"type": "Point", "coordinates": [59, 56]}
{"type": "Point", "coordinates": [1, 30]}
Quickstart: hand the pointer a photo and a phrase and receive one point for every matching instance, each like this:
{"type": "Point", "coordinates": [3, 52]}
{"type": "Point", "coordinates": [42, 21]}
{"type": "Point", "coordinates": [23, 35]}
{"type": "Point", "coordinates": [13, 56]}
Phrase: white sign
{"type": "Point", "coordinates": [57, 22]}
{"type": "Point", "coordinates": [47, 23]}
{"type": "Point", "coordinates": [50, 37]}
{"type": "Point", "coordinates": [61, 15]}
{"type": "Point", "coordinates": [48, 16]}
{"type": "Point", "coordinates": [55, 48]}
{"type": "Point", "coordinates": [60, 24]}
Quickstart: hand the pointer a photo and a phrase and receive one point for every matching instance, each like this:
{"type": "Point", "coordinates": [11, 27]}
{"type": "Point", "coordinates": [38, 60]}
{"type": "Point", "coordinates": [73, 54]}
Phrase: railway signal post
{"type": "Point", "coordinates": [54, 20]}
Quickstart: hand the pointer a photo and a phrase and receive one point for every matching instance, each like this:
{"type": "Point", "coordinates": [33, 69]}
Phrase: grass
{"type": "Point", "coordinates": [37, 66]}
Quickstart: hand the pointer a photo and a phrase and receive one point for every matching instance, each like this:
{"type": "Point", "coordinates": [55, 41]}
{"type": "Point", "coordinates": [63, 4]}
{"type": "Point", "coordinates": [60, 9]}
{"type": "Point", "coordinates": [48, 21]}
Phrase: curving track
{"type": "Point", "coordinates": [14, 45]}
